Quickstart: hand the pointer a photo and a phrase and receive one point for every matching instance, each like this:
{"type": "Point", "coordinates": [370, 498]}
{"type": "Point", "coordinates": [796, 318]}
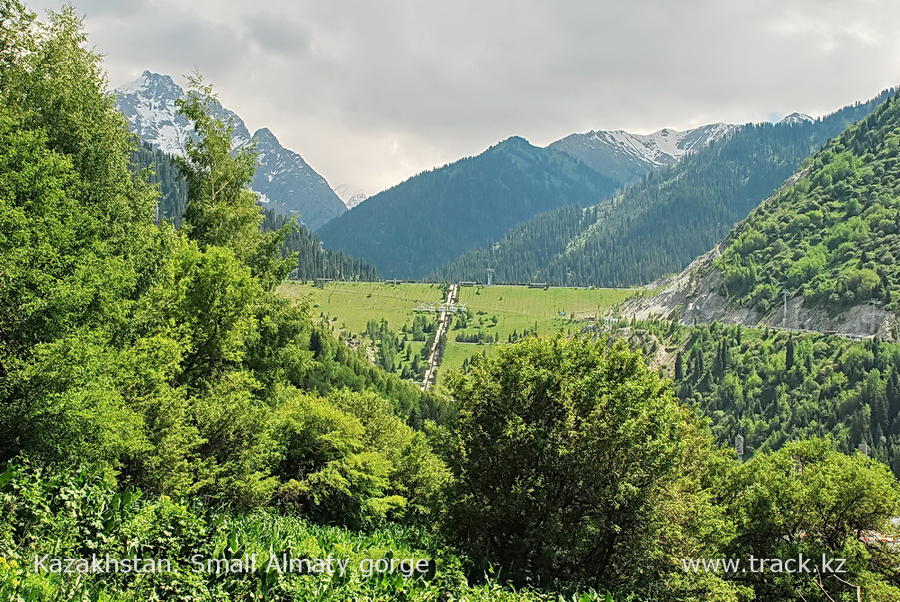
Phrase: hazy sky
{"type": "Point", "coordinates": [371, 92]}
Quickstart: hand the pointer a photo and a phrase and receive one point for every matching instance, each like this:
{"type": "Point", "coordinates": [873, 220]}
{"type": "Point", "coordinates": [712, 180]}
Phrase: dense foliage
{"type": "Point", "coordinates": [428, 220]}
{"type": "Point", "coordinates": [154, 353]}
{"type": "Point", "coordinates": [832, 236]}
{"type": "Point", "coordinates": [73, 513]}
{"type": "Point", "coordinates": [569, 456]}
{"type": "Point", "coordinates": [808, 501]}
{"type": "Point", "coordinates": [575, 465]}
{"type": "Point", "coordinates": [660, 224]}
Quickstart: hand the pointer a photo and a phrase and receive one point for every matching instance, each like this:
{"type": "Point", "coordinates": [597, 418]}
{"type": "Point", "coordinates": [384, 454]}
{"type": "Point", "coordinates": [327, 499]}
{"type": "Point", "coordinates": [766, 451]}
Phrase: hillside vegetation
{"type": "Point", "coordinates": [832, 236]}
{"type": "Point", "coordinates": [772, 387]}
{"type": "Point", "coordinates": [161, 402]}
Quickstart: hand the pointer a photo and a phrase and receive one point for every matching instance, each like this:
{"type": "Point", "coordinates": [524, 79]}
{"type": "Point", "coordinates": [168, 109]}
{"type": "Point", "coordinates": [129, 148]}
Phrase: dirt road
{"type": "Point", "coordinates": [442, 327]}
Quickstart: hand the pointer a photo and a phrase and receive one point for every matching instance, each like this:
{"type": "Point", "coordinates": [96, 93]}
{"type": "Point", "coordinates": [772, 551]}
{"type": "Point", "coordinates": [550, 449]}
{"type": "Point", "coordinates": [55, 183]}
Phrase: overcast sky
{"type": "Point", "coordinates": [371, 92]}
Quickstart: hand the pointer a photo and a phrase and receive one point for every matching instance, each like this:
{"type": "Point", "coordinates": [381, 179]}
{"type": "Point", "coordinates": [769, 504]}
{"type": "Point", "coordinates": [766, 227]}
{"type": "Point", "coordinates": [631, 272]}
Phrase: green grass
{"type": "Point", "coordinates": [355, 303]}
{"type": "Point", "coordinates": [517, 309]}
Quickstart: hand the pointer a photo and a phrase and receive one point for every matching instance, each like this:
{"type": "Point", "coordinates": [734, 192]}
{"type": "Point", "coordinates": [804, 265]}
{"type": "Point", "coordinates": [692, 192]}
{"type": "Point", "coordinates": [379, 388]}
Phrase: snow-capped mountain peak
{"type": "Point", "coordinates": [625, 156]}
{"type": "Point", "coordinates": [148, 83]}
{"type": "Point", "coordinates": [665, 146]}
{"type": "Point", "coordinates": [795, 118]}
{"type": "Point", "coordinates": [350, 196]}
{"type": "Point", "coordinates": [285, 182]}
{"type": "Point", "coordinates": [355, 199]}
{"type": "Point", "coordinates": [149, 104]}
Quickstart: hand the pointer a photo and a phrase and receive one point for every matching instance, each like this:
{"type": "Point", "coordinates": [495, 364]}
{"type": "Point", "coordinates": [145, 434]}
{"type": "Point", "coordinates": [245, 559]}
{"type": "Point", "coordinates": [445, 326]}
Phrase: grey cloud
{"type": "Point", "coordinates": [278, 33]}
{"type": "Point", "coordinates": [98, 8]}
{"type": "Point", "coordinates": [372, 92]}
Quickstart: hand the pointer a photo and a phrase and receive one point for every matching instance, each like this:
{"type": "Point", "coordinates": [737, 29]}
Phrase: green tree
{"type": "Point", "coordinates": [49, 73]}
{"type": "Point", "coordinates": [575, 463]}
{"type": "Point", "coordinates": [221, 208]}
{"type": "Point", "coordinates": [789, 355]}
{"type": "Point", "coordinates": [809, 499]}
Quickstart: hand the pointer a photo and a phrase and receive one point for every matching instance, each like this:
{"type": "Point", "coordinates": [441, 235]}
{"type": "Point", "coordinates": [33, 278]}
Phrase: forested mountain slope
{"type": "Point", "coordinates": [659, 225]}
{"type": "Point", "coordinates": [410, 229]}
{"type": "Point", "coordinates": [163, 173]}
{"type": "Point", "coordinates": [826, 242]}
{"type": "Point", "coordinates": [772, 387]}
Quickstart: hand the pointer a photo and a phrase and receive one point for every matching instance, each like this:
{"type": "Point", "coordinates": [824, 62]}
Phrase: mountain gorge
{"type": "Point", "coordinates": [181, 421]}
{"type": "Point", "coordinates": [661, 223]}
{"type": "Point", "coordinates": [412, 228]}
{"type": "Point", "coordinates": [285, 182]}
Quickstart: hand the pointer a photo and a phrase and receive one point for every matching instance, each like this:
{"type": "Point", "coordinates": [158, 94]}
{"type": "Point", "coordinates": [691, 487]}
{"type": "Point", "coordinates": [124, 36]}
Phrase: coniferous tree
{"type": "Point", "coordinates": [679, 367]}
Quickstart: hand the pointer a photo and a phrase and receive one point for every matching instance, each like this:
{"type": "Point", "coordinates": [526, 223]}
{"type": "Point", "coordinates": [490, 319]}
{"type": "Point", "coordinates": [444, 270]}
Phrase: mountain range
{"type": "Point", "coordinates": [284, 181]}
{"type": "Point", "coordinates": [602, 208]}
{"type": "Point", "coordinates": [659, 224]}
{"type": "Point", "coordinates": [415, 226]}
{"type": "Point", "coordinates": [625, 157]}
{"type": "Point", "coordinates": [434, 217]}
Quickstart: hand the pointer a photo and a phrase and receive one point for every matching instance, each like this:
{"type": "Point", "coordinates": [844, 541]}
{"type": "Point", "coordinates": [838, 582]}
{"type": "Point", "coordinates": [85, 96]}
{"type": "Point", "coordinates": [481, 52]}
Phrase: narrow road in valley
{"type": "Point", "coordinates": [442, 327]}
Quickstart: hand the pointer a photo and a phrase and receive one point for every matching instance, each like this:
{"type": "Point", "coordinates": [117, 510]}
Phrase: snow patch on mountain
{"type": "Point", "coordinates": [355, 199]}
{"type": "Point", "coordinates": [626, 157]}
{"type": "Point", "coordinates": [149, 105]}
{"type": "Point", "coordinates": [349, 196]}
{"type": "Point", "coordinates": [663, 147]}
{"type": "Point", "coordinates": [795, 118]}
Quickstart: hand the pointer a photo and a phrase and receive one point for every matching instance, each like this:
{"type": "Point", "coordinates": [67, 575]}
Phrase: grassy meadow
{"type": "Point", "coordinates": [498, 312]}
{"type": "Point", "coordinates": [355, 303]}
{"type": "Point", "coordinates": [520, 310]}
